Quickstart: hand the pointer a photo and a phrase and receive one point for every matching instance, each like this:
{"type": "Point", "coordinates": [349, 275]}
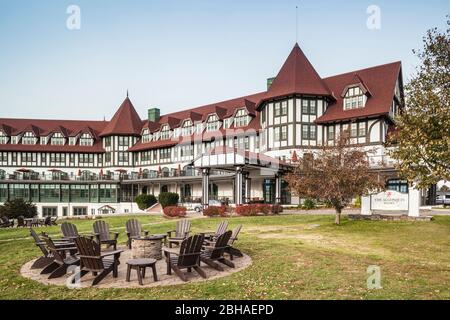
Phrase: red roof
{"type": "Point", "coordinates": [125, 121]}
{"type": "Point", "coordinates": [297, 75]}
{"type": "Point", "coordinates": [379, 80]}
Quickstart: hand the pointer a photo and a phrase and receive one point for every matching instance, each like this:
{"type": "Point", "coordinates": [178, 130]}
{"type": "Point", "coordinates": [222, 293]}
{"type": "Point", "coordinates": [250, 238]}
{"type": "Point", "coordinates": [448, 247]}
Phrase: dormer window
{"type": "Point", "coordinates": [187, 128]}
{"type": "Point", "coordinates": [28, 138]}
{"type": "Point", "coordinates": [3, 138]}
{"type": "Point", "coordinates": [57, 139]}
{"type": "Point", "coordinates": [86, 140]}
{"type": "Point", "coordinates": [241, 118]}
{"type": "Point", "coordinates": [354, 98]}
{"type": "Point", "coordinates": [165, 132]}
{"type": "Point", "coordinates": [146, 137]}
{"type": "Point", "coordinates": [212, 124]}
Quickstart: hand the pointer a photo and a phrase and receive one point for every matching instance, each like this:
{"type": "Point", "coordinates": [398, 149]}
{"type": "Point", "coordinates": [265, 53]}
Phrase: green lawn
{"type": "Point", "coordinates": [293, 258]}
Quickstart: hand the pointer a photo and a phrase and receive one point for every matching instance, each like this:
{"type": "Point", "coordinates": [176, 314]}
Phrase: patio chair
{"type": "Point", "coordinates": [21, 221]}
{"type": "Point", "coordinates": [62, 261]}
{"type": "Point", "coordinates": [5, 222]}
{"type": "Point", "coordinates": [188, 257]}
{"type": "Point", "coordinates": [47, 257]}
{"type": "Point", "coordinates": [48, 221]}
{"type": "Point", "coordinates": [104, 236]}
{"type": "Point", "coordinates": [181, 232]}
{"type": "Point", "coordinates": [93, 260]}
{"type": "Point", "coordinates": [232, 251]}
{"type": "Point", "coordinates": [70, 231]}
{"type": "Point", "coordinates": [53, 221]}
{"type": "Point", "coordinates": [134, 231]}
{"type": "Point", "coordinates": [211, 254]}
{"type": "Point", "coordinates": [221, 228]}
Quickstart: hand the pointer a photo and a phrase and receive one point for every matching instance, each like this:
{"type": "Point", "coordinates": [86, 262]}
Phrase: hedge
{"type": "Point", "coordinates": [175, 212]}
{"type": "Point", "coordinates": [213, 211]}
{"type": "Point", "coordinates": [145, 201]}
{"type": "Point", "coordinates": [167, 199]}
{"type": "Point", "coordinates": [256, 209]}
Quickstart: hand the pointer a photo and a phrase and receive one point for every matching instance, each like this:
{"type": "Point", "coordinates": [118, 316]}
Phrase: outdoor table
{"type": "Point", "coordinates": [147, 247]}
{"type": "Point", "coordinates": [139, 265]}
{"type": "Point", "coordinates": [29, 221]}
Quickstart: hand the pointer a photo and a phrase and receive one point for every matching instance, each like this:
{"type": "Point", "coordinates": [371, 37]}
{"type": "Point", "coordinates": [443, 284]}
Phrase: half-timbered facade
{"type": "Point", "coordinates": [235, 151]}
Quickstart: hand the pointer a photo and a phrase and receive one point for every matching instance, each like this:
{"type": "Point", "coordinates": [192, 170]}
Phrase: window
{"type": "Point", "coordinates": [86, 140]}
{"type": "Point", "coordinates": [57, 139]}
{"type": "Point", "coordinates": [3, 157]}
{"type": "Point", "coordinates": [79, 193]}
{"type": "Point", "coordinates": [187, 128]}
{"type": "Point", "coordinates": [28, 157]}
{"type": "Point", "coordinates": [354, 98]}
{"type": "Point", "coordinates": [164, 154]}
{"type": "Point", "coordinates": [29, 138]}
{"type": "Point", "coordinates": [165, 132]}
{"type": "Point", "coordinates": [213, 123]}
{"type": "Point", "coordinates": [397, 185]}
{"type": "Point", "coordinates": [358, 129]}
{"type": "Point", "coordinates": [187, 151]}
{"type": "Point", "coordinates": [123, 157]}
{"type": "Point", "coordinates": [330, 133]}
{"type": "Point", "coordinates": [49, 211]}
{"type": "Point", "coordinates": [86, 158]}
{"type": "Point", "coordinates": [309, 107]}
{"type": "Point", "coordinates": [280, 133]}
{"type": "Point", "coordinates": [123, 141]}
{"type": "Point", "coordinates": [108, 157]}
{"type": "Point", "coordinates": [79, 211]}
{"type": "Point", "coordinates": [242, 143]}
{"type": "Point", "coordinates": [241, 118]}
{"type": "Point", "coordinates": [3, 138]}
{"type": "Point", "coordinates": [309, 132]}
{"type": "Point", "coordinates": [108, 142]}
{"type": "Point", "coordinates": [280, 108]}
{"type": "Point", "coordinates": [57, 158]}
{"type": "Point", "coordinates": [146, 136]}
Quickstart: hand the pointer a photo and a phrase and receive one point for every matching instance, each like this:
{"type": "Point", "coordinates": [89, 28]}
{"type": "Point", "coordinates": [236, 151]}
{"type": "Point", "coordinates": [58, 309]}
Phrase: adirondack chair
{"type": "Point", "coordinates": [215, 253]}
{"type": "Point", "coordinates": [70, 231]}
{"type": "Point", "coordinates": [62, 261]}
{"type": "Point", "coordinates": [232, 251]}
{"type": "Point", "coordinates": [93, 260]}
{"type": "Point", "coordinates": [47, 257]}
{"type": "Point", "coordinates": [104, 236]}
{"type": "Point", "coordinates": [48, 221]}
{"type": "Point", "coordinates": [5, 222]}
{"type": "Point", "coordinates": [21, 221]}
{"type": "Point", "coordinates": [188, 257]}
{"type": "Point", "coordinates": [53, 221]}
{"type": "Point", "coordinates": [134, 231]}
{"type": "Point", "coordinates": [180, 233]}
{"type": "Point", "coordinates": [221, 228]}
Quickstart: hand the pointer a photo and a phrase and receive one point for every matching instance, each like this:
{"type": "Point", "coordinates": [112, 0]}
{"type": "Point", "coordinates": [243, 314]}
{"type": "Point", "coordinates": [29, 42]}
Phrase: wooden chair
{"type": "Point", "coordinates": [180, 233]}
{"type": "Point", "coordinates": [134, 231]}
{"type": "Point", "coordinates": [188, 257]}
{"type": "Point", "coordinates": [5, 222]}
{"type": "Point", "coordinates": [21, 221]}
{"type": "Point", "coordinates": [104, 236]}
{"type": "Point", "coordinates": [61, 260]}
{"type": "Point", "coordinates": [53, 221]}
{"type": "Point", "coordinates": [48, 221]}
{"type": "Point", "coordinates": [221, 228]}
{"type": "Point", "coordinates": [70, 231]}
{"type": "Point", "coordinates": [47, 257]}
{"type": "Point", "coordinates": [212, 254]}
{"type": "Point", "coordinates": [93, 260]}
{"type": "Point", "coordinates": [232, 251]}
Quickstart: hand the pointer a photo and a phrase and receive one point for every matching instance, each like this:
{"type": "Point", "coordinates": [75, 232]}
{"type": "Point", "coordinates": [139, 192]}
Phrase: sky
{"type": "Point", "coordinates": [175, 55]}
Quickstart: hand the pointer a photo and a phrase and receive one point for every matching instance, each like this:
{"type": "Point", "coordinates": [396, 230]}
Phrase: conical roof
{"type": "Point", "coordinates": [125, 121]}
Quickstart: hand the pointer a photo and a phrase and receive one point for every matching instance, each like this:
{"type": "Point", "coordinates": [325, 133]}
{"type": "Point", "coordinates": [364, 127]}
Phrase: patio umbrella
{"type": "Point", "coordinates": [294, 157]}
{"type": "Point", "coordinates": [54, 170]}
{"type": "Point", "coordinates": [121, 170]}
{"type": "Point", "coordinates": [140, 170]}
{"type": "Point", "coordinates": [101, 172]}
{"type": "Point", "coordinates": [23, 170]}
{"type": "Point", "coordinates": [79, 172]}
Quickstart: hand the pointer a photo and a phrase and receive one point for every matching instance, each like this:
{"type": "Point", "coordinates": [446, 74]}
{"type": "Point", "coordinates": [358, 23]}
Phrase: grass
{"type": "Point", "coordinates": [294, 257]}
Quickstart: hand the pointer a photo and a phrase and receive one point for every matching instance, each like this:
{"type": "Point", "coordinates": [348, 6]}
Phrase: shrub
{"type": "Point", "coordinates": [145, 201]}
{"type": "Point", "coordinates": [357, 203]}
{"type": "Point", "coordinates": [18, 207]}
{"type": "Point", "coordinates": [255, 209]}
{"type": "Point", "coordinates": [175, 212]}
{"type": "Point", "coordinates": [167, 199]}
{"type": "Point", "coordinates": [309, 204]}
{"type": "Point", "coordinates": [213, 211]}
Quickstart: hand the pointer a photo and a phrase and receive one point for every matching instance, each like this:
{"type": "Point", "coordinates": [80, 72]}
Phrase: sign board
{"type": "Point", "coordinates": [389, 200]}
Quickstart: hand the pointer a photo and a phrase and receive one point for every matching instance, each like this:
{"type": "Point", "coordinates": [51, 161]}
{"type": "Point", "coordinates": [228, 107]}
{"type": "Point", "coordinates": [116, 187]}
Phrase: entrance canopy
{"type": "Point", "coordinates": [227, 158]}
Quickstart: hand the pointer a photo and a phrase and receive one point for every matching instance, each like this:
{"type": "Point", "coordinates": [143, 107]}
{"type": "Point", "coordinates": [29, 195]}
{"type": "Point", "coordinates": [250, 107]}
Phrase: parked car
{"type": "Point", "coordinates": [443, 199]}
{"type": "Point", "coordinates": [198, 207]}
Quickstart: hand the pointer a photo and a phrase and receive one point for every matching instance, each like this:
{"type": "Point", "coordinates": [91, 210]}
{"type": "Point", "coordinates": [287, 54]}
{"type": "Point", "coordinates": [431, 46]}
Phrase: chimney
{"type": "Point", "coordinates": [269, 82]}
{"type": "Point", "coordinates": [153, 114]}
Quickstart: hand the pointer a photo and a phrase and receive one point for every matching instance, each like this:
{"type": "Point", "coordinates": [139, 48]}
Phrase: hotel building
{"type": "Point", "coordinates": [235, 151]}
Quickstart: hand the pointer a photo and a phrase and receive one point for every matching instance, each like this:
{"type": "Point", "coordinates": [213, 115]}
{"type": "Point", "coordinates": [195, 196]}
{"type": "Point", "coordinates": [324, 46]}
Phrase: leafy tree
{"type": "Point", "coordinates": [422, 141]}
{"type": "Point", "coordinates": [145, 201]}
{"type": "Point", "coordinates": [18, 207]}
{"type": "Point", "coordinates": [167, 199]}
{"type": "Point", "coordinates": [336, 175]}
